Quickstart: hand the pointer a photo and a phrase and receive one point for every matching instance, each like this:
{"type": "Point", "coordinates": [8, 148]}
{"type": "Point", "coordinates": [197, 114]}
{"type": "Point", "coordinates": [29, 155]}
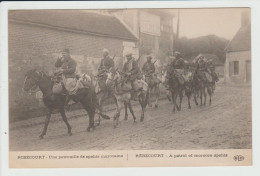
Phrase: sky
{"type": "Point", "coordinates": [223, 22]}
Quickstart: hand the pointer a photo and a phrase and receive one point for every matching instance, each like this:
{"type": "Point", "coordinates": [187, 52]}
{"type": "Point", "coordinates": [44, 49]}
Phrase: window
{"type": "Point", "coordinates": [236, 67]}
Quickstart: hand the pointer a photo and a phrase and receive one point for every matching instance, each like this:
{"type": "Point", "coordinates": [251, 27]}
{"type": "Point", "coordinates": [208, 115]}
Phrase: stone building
{"type": "Point", "coordinates": [153, 28]}
{"type": "Point", "coordinates": [238, 53]}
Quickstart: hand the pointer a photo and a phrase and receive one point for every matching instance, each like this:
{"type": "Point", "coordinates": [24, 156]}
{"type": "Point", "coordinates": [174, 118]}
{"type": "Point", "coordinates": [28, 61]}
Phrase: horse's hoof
{"type": "Point", "coordinates": [189, 107]}
{"type": "Point", "coordinates": [156, 106]}
{"type": "Point", "coordinates": [126, 117]}
{"type": "Point", "coordinates": [142, 119]}
{"type": "Point", "coordinates": [41, 137]}
{"type": "Point", "coordinates": [70, 134]}
{"type": "Point", "coordinates": [98, 123]}
{"type": "Point", "coordinates": [88, 129]}
{"type": "Point", "coordinates": [93, 127]}
{"type": "Point", "coordinates": [150, 105]}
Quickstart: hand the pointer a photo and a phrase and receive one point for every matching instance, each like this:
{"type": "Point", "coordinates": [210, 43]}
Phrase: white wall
{"type": "Point", "coordinates": [242, 57]}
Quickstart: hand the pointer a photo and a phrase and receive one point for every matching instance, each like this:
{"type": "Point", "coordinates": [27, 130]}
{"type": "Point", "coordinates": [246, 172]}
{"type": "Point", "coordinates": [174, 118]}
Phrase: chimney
{"type": "Point", "coordinates": [245, 18]}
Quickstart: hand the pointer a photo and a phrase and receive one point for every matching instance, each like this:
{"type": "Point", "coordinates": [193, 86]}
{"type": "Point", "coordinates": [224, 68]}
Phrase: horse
{"type": "Point", "coordinates": [177, 89]}
{"type": "Point", "coordinates": [102, 95]}
{"type": "Point", "coordinates": [203, 85]}
{"type": "Point", "coordinates": [114, 80]}
{"type": "Point", "coordinates": [86, 96]}
{"type": "Point", "coordinates": [164, 83]}
{"type": "Point", "coordinates": [188, 85]}
{"type": "Point", "coordinates": [154, 87]}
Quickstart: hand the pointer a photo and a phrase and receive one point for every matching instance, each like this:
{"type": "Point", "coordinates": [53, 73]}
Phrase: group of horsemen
{"type": "Point", "coordinates": [131, 72]}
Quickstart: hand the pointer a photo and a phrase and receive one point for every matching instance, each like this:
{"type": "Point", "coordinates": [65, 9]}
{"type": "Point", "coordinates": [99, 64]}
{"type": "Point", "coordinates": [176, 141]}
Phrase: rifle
{"type": "Point", "coordinates": [137, 60]}
{"type": "Point", "coordinates": [114, 56]}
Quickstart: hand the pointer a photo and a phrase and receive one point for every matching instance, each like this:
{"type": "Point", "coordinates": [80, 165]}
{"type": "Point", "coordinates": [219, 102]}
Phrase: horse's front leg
{"type": "Point", "coordinates": [188, 94]}
{"type": "Point", "coordinates": [180, 102]}
{"type": "Point", "coordinates": [201, 96]}
{"type": "Point", "coordinates": [126, 114]}
{"type": "Point", "coordinates": [131, 109]}
{"type": "Point", "coordinates": [210, 91]}
{"type": "Point", "coordinates": [64, 118]}
{"type": "Point", "coordinates": [174, 97]}
{"type": "Point", "coordinates": [149, 97]}
{"type": "Point", "coordinates": [46, 123]}
{"type": "Point", "coordinates": [205, 96]}
{"type": "Point", "coordinates": [157, 95]}
{"type": "Point", "coordinates": [100, 108]}
{"type": "Point", "coordinates": [117, 114]}
{"type": "Point", "coordinates": [195, 97]}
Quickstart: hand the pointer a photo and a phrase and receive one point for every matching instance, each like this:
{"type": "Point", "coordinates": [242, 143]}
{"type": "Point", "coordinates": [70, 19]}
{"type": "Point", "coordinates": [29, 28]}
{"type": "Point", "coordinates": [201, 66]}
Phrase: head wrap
{"type": "Point", "coordinates": [105, 50]}
{"type": "Point", "coordinates": [66, 50]}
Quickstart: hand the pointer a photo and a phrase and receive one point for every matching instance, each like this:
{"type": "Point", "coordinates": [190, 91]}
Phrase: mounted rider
{"type": "Point", "coordinates": [211, 70]}
{"type": "Point", "coordinates": [149, 72]}
{"type": "Point", "coordinates": [106, 63]}
{"type": "Point", "coordinates": [66, 74]}
{"type": "Point", "coordinates": [131, 73]}
{"type": "Point", "coordinates": [203, 69]}
{"type": "Point", "coordinates": [177, 67]}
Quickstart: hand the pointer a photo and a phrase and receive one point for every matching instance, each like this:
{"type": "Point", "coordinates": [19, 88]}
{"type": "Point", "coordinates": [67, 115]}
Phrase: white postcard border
{"type": "Point", "coordinates": [252, 170]}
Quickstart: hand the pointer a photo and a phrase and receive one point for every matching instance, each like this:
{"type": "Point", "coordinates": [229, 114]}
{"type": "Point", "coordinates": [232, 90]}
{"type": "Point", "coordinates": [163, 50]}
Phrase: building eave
{"type": "Point", "coordinates": [69, 29]}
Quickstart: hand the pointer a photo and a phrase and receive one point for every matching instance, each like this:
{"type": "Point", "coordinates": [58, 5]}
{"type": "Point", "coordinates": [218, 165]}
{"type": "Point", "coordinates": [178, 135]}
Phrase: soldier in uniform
{"type": "Point", "coordinates": [203, 69]}
{"type": "Point", "coordinates": [131, 73]}
{"type": "Point", "coordinates": [67, 67]}
{"type": "Point", "coordinates": [179, 62]}
{"type": "Point", "coordinates": [178, 67]}
{"type": "Point", "coordinates": [149, 70]}
{"type": "Point", "coordinates": [211, 70]}
{"type": "Point", "coordinates": [106, 63]}
{"type": "Point", "coordinates": [202, 64]}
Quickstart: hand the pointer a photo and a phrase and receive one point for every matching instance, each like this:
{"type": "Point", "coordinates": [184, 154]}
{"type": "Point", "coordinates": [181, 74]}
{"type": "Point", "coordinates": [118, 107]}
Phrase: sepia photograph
{"type": "Point", "coordinates": [129, 84]}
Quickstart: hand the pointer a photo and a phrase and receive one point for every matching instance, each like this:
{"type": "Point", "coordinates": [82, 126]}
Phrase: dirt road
{"type": "Point", "coordinates": [225, 124]}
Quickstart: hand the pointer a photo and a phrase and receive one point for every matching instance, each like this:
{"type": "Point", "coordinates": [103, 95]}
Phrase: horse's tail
{"type": "Point", "coordinates": [103, 115]}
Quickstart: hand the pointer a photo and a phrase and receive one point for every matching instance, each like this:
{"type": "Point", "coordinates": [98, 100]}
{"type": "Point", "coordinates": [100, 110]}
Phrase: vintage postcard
{"type": "Point", "coordinates": [137, 87]}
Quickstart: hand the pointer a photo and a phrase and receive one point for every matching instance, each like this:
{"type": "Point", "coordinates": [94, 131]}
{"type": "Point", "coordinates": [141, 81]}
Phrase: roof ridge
{"type": "Point", "coordinates": [87, 22]}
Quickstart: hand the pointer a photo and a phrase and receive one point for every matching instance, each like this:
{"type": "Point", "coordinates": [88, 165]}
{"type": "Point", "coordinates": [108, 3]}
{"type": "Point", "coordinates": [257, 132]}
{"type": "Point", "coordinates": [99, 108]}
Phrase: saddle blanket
{"type": "Point", "coordinates": [72, 85]}
{"type": "Point", "coordinates": [207, 77]}
{"type": "Point", "coordinates": [138, 85]}
{"type": "Point", "coordinates": [152, 80]}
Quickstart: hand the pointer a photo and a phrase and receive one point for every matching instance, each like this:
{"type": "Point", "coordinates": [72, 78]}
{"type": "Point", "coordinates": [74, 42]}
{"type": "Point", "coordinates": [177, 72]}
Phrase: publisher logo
{"type": "Point", "coordinates": [239, 158]}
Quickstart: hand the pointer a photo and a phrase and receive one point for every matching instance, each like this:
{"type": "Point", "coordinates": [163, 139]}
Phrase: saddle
{"type": "Point", "coordinates": [179, 74]}
{"type": "Point", "coordinates": [71, 85]}
{"type": "Point", "coordinates": [205, 77]}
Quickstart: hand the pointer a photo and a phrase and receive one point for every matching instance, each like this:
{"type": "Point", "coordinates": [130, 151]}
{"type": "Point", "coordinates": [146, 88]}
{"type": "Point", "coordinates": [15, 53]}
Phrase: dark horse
{"type": "Point", "coordinates": [85, 96]}
{"type": "Point", "coordinates": [200, 86]}
{"type": "Point", "coordinates": [176, 89]}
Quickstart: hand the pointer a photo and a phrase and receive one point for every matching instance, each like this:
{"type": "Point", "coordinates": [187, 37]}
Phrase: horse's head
{"type": "Point", "coordinates": [112, 77]}
{"type": "Point", "coordinates": [164, 75]}
{"type": "Point", "coordinates": [31, 80]}
{"type": "Point", "coordinates": [85, 78]}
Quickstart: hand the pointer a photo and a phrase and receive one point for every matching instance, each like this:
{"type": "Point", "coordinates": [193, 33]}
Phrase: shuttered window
{"type": "Point", "coordinates": [231, 68]}
{"type": "Point", "coordinates": [236, 67]}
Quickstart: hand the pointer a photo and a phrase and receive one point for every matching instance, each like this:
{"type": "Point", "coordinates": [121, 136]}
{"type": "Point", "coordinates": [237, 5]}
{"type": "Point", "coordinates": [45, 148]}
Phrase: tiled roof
{"type": "Point", "coordinates": [77, 20]}
{"type": "Point", "coordinates": [241, 41]}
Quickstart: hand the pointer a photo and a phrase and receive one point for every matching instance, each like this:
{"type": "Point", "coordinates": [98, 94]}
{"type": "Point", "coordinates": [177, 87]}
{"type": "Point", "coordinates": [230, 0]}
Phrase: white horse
{"type": "Point", "coordinates": [164, 83]}
{"type": "Point", "coordinates": [123, 97]}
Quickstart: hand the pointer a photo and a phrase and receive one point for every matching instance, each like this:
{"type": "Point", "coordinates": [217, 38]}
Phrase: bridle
{"type": "Point", "coordinates": [36, 81]}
